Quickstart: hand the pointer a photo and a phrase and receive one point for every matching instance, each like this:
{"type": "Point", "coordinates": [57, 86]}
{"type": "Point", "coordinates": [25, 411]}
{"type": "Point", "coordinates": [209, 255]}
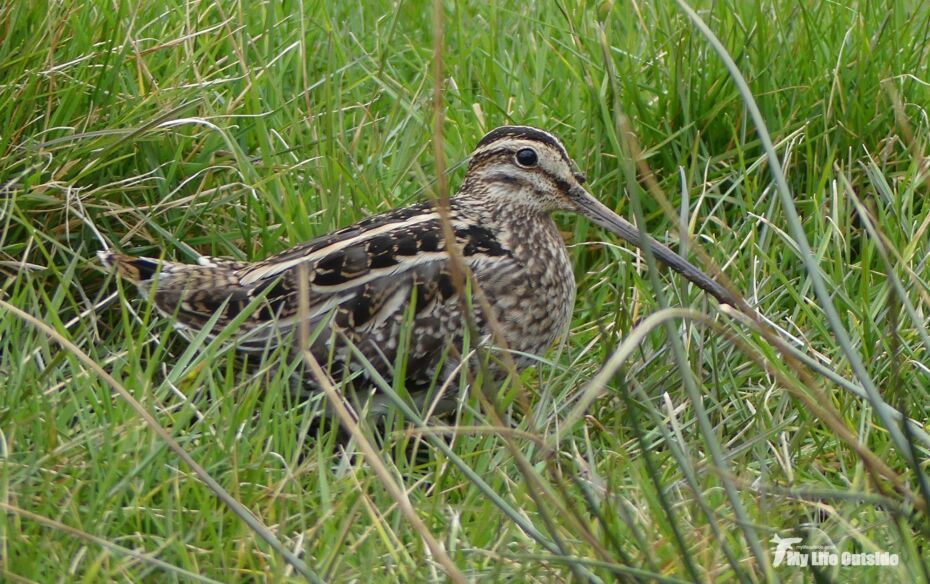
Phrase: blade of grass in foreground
{"type": "Point", "coordinates": [628, 163]}
{"type": "Point", "coordinates": [130, 553]}
{"type": "Point", "coordinates": [513, 514]}
{"type": "Point", "coordinates": [797, 232]}
{"type": "Point", "coordinates": [349, 422]}
{"type": "Point", "coordinates": [236, 507]}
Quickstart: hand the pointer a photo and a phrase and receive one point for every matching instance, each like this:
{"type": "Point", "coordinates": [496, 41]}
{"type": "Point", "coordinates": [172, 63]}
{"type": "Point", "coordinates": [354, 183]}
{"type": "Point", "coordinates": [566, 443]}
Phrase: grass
{"type": "Point", "coordinates": [240, 129]}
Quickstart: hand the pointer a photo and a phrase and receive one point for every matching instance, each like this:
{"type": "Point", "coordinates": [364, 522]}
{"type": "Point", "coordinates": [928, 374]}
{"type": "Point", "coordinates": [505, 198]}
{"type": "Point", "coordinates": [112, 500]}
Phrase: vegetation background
{"type": "Point", "coordinates": [667, 445]}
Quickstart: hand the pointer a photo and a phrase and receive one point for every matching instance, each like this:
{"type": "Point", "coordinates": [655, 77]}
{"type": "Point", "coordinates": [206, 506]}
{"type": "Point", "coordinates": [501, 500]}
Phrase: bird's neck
{"type": "Point", "coordinates": [501, 203]}
{"type": "Point", "coordinates": [519, 227]}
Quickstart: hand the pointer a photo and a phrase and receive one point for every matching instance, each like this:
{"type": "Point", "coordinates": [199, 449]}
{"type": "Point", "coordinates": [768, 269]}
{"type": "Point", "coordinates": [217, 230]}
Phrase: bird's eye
{"type": "Point", "coordinates": [527, 157]}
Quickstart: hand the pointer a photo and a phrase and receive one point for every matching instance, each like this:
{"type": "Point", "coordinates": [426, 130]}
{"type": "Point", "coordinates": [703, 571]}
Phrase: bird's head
{"type": "Point", "coordinates": [526, 169]}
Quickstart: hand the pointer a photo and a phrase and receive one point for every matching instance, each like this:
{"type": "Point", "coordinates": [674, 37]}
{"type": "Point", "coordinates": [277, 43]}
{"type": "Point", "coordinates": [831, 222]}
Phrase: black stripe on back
{"type": "Point", "coordinates": [145, 267]}
{"type": "Point", "coordinates": [476, 239]}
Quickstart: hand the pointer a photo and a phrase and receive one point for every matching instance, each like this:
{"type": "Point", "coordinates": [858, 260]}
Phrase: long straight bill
{"type": "Point", "coordinates": [604, 217]}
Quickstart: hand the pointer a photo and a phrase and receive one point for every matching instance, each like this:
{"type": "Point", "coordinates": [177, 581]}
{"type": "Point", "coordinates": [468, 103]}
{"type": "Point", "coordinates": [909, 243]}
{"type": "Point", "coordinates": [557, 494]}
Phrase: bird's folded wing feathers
{"type": "Point", "coordinates": [360, 274]}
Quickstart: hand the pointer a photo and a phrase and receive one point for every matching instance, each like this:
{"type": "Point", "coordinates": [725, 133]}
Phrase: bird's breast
{"type": "Point", "coordinates": [532, 291]}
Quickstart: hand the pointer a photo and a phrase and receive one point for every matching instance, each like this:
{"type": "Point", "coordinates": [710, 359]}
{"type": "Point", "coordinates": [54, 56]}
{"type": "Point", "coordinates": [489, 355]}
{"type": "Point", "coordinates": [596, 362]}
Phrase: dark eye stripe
{"type": "Point", "coordinates": [512, 179]}
{"type": "Point", "coordinates": [562, 185]}
{"type": "Point", "coordinates": [505, 155]}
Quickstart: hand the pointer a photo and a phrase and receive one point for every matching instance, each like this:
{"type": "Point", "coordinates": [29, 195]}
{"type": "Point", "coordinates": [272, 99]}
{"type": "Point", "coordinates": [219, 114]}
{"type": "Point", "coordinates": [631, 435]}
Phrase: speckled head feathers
{"type": "Point", "coordinates": [529, 167]}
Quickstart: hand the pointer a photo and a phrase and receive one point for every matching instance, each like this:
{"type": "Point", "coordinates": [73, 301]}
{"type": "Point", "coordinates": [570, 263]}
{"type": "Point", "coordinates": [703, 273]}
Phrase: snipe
{"type": "Point", "coordinates": [363, 279]}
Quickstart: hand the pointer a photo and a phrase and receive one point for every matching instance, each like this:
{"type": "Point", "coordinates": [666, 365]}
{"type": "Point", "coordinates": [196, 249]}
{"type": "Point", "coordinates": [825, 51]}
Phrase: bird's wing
{"type": "Point", "coordinates": [356, 279]}
{"type": "Point", "coordinates": [366, 275]}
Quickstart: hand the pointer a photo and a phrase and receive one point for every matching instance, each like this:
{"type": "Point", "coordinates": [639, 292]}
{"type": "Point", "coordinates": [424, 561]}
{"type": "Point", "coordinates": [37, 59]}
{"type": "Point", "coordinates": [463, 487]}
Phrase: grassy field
{"type": "Point", "coordinates": [667, 439]}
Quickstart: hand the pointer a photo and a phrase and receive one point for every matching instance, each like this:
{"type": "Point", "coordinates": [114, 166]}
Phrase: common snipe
{"type": "Point", "coordinates": [362, 279]}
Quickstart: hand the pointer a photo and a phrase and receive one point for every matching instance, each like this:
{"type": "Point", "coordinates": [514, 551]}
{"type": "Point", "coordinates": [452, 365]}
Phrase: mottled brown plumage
{"type": "Point", "coordinates": [367, 280]}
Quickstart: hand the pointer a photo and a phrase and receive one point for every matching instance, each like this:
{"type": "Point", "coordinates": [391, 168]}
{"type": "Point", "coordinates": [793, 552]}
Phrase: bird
{"type": "Point", "coordinates": [365, 283]}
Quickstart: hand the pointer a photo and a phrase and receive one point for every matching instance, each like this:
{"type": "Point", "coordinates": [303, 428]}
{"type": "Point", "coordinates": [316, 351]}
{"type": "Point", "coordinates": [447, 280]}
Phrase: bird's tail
{"type": "Point", "coordinates": [136, 270]}
{"type": "Point", "coordinates": [208, 272]}
{"type": "Point", "coordinates": [192, 292]}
